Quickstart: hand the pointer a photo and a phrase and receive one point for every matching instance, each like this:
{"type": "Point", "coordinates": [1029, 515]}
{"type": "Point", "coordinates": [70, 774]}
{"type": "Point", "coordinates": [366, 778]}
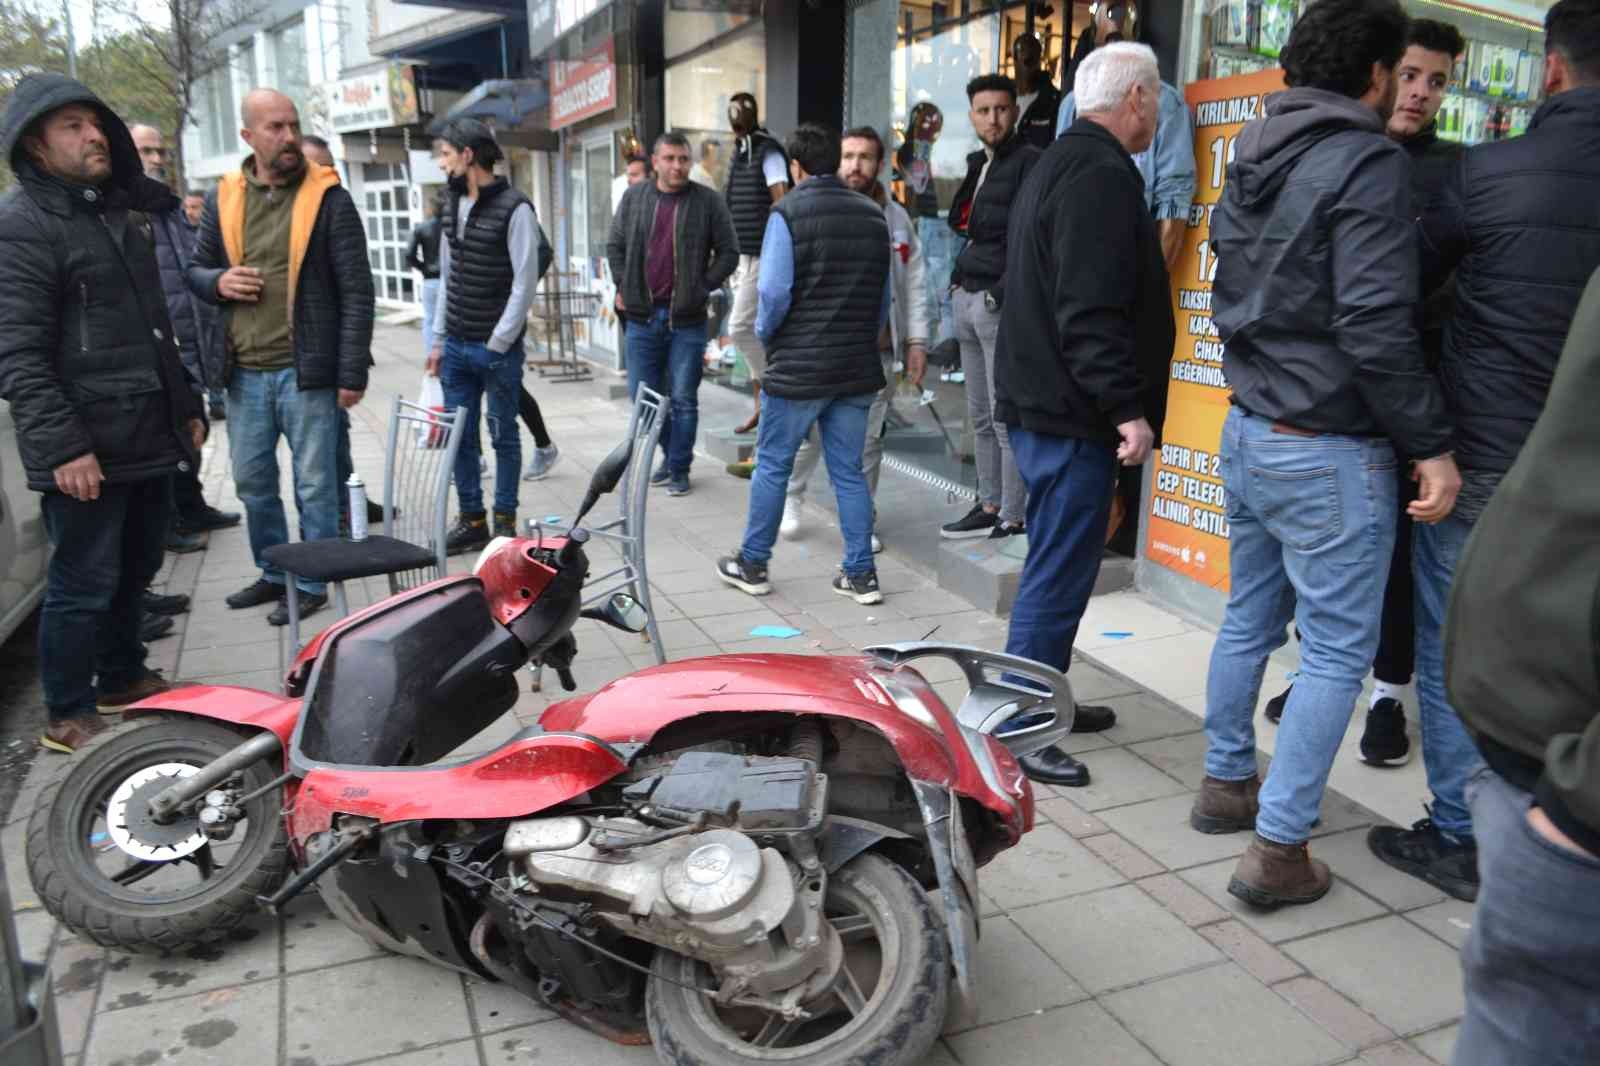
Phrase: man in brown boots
{"type": "Point", "coordinates": [1331, 405]}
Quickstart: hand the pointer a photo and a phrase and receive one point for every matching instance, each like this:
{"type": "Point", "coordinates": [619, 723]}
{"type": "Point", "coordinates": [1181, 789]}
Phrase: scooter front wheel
{"type": "Point", "coordinates": [111, 873]}
{"type": "Point", "coordinates": [886, 1007]}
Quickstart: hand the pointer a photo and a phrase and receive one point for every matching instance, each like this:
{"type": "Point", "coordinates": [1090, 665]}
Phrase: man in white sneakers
{"type": "Point", "coordinates": [860, 161]}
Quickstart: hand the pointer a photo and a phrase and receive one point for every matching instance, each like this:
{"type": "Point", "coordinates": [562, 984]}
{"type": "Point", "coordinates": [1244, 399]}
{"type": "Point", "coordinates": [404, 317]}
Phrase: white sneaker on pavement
{"type": "Point", "coordinates": [877, 545]}
{"type": "Point", "coordinates": [790, 526]}
{"type": "Point", "coordinates": [542, 462]}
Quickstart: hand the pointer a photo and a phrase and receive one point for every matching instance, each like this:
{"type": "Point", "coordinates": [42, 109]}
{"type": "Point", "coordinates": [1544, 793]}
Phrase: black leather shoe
{"type": "Point", "coordinates": [180, 543]}
{"type": "Point", "coordinates": [155, 603]}
{"type": "Point", "coordinates": [1052, 766]}
{"type": "Point", "coordinates": [308, 602]}
{"type": "Point", "coordinates": [154, 627]}
{"type": "Point", "coordinates": [1092, 718]}
{"type": "Point", "coordinates": [206, 518]}
{"type": "Point", "coordinates": [254, 595]}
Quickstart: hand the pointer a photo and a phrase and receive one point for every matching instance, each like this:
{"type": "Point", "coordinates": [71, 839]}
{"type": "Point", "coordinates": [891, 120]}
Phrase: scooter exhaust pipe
{"type": "Point", "coordinates": [164, 805]}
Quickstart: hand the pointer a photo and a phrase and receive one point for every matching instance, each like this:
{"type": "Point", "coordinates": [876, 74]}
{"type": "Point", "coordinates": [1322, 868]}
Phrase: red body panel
{"type": "Point", "coordinates": [229, 703]}
{"type": "Point", "coordinates": [634, 708]}
{"type": "Point", "coordinates": [521, 778]}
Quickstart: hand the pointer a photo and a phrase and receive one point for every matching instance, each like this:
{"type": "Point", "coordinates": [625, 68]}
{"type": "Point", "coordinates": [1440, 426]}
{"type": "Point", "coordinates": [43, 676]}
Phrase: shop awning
{"type": "Point", "coordinates": [505, 103]}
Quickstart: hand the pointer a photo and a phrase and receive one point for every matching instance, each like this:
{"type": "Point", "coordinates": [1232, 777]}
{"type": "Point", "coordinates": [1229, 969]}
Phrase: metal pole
{"type": "Point", "coordinates": [72, 47]}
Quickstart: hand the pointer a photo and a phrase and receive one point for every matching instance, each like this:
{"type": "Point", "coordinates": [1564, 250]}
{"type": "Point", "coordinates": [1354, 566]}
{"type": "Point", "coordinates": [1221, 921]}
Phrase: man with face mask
{"type": "Point", "coordinates": [981, 212]}
{"type": "Point", "coordinates": [490, 261]}
{"type": "Point", "coordinates": [104, 412]}
{"type": "Point", "coordinates": [758, 176]}
{"type": "Point", "coordinates": [1315, 298]}
{"type": "Point", "coordinates": [283, 251]}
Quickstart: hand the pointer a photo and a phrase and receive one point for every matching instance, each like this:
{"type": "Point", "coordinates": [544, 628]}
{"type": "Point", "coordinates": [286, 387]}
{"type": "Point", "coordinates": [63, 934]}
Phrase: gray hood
{"type": "Point", "coordinates": [1295, 120]}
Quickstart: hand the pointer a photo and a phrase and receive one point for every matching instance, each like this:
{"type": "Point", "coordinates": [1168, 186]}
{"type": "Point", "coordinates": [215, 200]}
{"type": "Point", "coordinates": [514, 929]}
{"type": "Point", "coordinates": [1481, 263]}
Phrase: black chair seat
{"type": "Point", "coordinates": [345, 560]}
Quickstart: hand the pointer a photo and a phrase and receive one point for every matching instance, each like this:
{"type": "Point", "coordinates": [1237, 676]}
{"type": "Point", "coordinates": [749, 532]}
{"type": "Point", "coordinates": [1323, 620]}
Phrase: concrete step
{"type": "Point", "coordinates": [986, 573]}
{"type": "Point", "coordinates": [726, 446]}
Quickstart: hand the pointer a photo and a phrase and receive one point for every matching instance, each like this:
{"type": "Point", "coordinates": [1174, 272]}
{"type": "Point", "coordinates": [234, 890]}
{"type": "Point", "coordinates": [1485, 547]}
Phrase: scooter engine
{"type": "Point", "coordinates": [715, 860]}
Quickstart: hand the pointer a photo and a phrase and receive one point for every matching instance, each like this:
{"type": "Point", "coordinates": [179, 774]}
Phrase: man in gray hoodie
{"type": "Point", "coordinates": [1315, 299]}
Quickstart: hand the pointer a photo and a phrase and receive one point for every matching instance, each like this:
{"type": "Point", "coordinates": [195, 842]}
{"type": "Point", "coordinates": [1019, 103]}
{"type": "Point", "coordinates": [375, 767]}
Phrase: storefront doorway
{"type": "Point", "coordinates": [387, 190]}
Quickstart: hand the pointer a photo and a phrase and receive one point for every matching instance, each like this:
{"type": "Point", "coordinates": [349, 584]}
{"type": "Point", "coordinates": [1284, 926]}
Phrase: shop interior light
{"type": "Point", "coordinates": [1492, 16]}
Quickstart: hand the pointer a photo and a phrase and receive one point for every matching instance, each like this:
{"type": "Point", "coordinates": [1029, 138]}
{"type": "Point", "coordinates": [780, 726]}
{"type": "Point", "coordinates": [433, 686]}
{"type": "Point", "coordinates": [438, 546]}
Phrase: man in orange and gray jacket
{"type": "Point", "coordinates": [283, 251]}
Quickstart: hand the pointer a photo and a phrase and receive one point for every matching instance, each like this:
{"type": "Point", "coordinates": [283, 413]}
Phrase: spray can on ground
{"type": "Point", "coordinates": [358, 507]}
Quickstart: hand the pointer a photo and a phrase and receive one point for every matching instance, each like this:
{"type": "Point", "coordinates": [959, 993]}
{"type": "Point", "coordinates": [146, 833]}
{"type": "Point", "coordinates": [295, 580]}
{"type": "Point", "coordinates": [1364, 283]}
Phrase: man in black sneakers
{"type": "Point", "coordinates": [1080, 367]}
{"type": "Point", "coordinates": [981, 212]}
{"type": "Point", "coordinates": [488, 269]}
{"type": "Point", "coordinates": [824, 301]}
{"type": "Point", "coordinates": [103, 410]}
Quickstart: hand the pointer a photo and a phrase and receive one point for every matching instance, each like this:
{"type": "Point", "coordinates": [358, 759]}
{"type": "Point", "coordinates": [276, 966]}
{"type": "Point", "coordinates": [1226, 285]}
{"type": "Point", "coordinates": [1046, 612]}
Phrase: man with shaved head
{"type": "Point", "coordinates": [283, 252]}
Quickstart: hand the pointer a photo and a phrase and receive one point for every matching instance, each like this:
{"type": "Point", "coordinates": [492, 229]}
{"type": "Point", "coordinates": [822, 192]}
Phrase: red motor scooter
{"type": "Point", "coordinates": [739, 858]}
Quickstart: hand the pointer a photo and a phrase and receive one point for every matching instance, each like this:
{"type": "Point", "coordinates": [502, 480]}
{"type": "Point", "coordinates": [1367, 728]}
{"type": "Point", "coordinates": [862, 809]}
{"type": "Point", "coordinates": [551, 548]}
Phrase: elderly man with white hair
{"type": "Point", "coordinates": [1080, 366]}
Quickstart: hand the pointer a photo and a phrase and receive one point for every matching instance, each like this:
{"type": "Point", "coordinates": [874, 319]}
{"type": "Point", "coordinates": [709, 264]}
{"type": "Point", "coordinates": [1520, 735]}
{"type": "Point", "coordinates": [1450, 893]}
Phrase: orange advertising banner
{"type": "Point", "coordinates": [1187, 526]}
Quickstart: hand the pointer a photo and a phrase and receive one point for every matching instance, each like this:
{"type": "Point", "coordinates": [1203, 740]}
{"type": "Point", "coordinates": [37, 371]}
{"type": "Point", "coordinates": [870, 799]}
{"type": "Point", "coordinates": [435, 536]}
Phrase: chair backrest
{"type": "Point", "coordinates": [416, 481]}
{"type": "Point", "coordinates": [644, 429]}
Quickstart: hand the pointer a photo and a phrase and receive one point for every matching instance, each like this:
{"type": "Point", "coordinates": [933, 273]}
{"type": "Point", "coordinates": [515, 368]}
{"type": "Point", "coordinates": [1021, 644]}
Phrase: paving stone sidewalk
{"type": "Point", "coordinates": [1107, 936]}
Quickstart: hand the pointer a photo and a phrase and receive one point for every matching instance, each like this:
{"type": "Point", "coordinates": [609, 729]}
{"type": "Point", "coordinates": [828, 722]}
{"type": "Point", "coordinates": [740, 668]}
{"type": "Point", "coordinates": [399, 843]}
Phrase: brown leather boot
{"type": "Point", "coordinates": [1270, 874]}
{"type": "Point", "coordinates": [1225, 806]}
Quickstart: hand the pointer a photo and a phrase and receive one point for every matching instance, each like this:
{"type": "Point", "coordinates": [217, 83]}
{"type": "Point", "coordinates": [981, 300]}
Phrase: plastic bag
{"type": "Point", "coordinates": [431, 396]}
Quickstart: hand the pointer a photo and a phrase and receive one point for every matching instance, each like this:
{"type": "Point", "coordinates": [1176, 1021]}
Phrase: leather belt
{"type": "Point", "coordinates": [1293, 431]}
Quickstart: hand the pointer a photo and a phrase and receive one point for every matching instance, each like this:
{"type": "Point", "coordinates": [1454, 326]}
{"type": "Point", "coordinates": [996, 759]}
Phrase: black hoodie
{"type": "Point", "coordinates": [1316, 289]}
{"type": "Point", "coordinates": [88, 359]}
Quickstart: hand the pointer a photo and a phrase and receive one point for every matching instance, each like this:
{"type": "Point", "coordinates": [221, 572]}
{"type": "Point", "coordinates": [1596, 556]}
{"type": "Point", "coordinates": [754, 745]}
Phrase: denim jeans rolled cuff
{"type": "Point", "coordinates": [1528, 965]}
{"type": "Point", "coordinates": [264, 406]}
{"type": "Point", "coordinates": [469, 371]}
{"type": "Point", "coordinates": [1448, 754]}
{"type": "Point", "coordinates": [104, 553]}
{"type": "Point", "coordinates": [1311, 532]}
{"type": "Point", "coordinates": [842, 426]}
{"type": "Point", "coordinates": [672, 362]}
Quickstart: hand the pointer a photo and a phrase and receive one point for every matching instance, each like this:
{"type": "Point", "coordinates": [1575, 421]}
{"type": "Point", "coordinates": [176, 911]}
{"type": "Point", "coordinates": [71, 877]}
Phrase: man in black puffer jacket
{"type": "Point", "coordinates": [102, 406]}
{"type": "Point", "coordinates": [283, 250]}
{"type": "Point", "coordinates": [823, 308]}
{"type": "Point", "coordinates": [1518, 226]}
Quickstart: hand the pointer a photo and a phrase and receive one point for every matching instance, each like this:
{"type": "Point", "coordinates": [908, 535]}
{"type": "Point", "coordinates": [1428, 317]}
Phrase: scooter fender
{"type": "Point", "coordinates": [958, 892]}
{"type": "Point", "coordinates": [232, 704]}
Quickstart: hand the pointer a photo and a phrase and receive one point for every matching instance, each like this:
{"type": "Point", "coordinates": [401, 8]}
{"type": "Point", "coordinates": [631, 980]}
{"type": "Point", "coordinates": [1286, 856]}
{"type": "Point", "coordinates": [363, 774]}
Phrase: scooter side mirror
{"type": "Point", "coordinates": [606, 476]}
{"type": "Point", "coordinates": [622, 612]}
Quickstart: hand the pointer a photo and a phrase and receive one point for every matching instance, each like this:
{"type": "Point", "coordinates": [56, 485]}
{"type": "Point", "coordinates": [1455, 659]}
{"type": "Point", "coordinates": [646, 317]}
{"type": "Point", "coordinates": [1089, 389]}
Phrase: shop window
{"type": "Point", "coordinates": [291, 75]}
{"type": "Point", "coordinates": [699, 87]}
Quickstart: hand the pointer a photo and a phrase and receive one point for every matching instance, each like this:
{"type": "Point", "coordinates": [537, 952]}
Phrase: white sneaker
{"type": "Point", "coordinates": [542, 461]}
{"type": "Point", "coordinates": [790, 526]}
{"type": "Point", "coordinates": [877, 545]}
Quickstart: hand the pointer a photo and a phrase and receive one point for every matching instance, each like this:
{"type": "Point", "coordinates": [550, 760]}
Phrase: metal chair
{"type": "Point", "coordinates": [410, 551]}
{"type": "Point", "coordinates": [627, 530]}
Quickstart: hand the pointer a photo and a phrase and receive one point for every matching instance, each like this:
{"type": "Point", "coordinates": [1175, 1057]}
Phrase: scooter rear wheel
{"type": "Point", "coordinates": [110, 873]}
{"type": "Point", "coordinates": [888, 1007]}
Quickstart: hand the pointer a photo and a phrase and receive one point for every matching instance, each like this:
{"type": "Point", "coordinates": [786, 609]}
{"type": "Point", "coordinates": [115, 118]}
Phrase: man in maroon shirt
{"type": "Point", "coordinates": [671, 245]}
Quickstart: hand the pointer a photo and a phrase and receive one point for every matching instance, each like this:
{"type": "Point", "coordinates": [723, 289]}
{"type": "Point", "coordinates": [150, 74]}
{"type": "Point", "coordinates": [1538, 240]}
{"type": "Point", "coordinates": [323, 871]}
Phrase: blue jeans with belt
{"type": "Point", "coordinates": [1311, 531]}
{"type": "Point", "coordinates": [467, 371]}
{"type": "Point", "coordinates": [671, 361]}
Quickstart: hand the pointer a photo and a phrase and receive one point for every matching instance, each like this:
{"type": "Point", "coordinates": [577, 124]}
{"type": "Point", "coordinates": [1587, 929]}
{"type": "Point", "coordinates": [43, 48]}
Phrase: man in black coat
{"type": "Point", "coordinates": [1517, 225]}
{"type": "Point", "coordinates": [194, 324]}
{"type": "Point", "coordinates": [103, 409]}
{"type": "Point", "coordinates": [283, 251]}
{"type": "Point", "coordinates": [1085, 335]}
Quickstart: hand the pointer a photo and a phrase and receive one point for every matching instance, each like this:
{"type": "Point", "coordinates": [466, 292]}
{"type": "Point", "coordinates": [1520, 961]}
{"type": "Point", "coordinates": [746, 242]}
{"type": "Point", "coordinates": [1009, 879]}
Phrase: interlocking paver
{"type": "Point", "coordinates": [1390, 968]}
{"type": "Point", "coordinates": [248, 953]}
{"type": "Point", "coordinates": [1263, 961]}
{"type": "Point", "coordinates": [1068, 815]}
{"type": "Point", "coordinates": [1049, 864]}
{"type": "Point", "coordinates": [460, 1053]}
{"type": "Point", "coordinates": [1438, 1045]}
{"type": "Point", "coordinates": [1084, 1034]}
{"type": "Point", "coordinates": [1341, 906]}
{"type": "Point", "coordinates": [1142, 716]}
{"type": "Point", "coordinates": [364, 996]}
{"type": "Point", "coordinates": [1160, 828]}
{"type": "Point", "coordinates": [1221, 1016]}
{"type": "Point", "coordinates": [1347, 1023]}
{"type": "Point", "coordinates": [1183, 757]}
{"type": "Point", "coordinates": [1128, 860]}
{"type": "Point", "coordinates": [1183, 899]}
{"type": "Point", "coordinates": [560, 1042]}
{"type": "Point", "coordinates": [1348, 856]}
{"type": "Point", "coordinates": [1118, 778]}
{"type": "Point", "coordinates": [1394, 1055]}
{"type": "Point", "coordinates": [1115, 937]}
{"type": "Point", "coordinates": [496, 1006]}
{"type": "Point", "coordinates": [1450, 920]}
{"type": "Point", "coordinates": [237, 1025]}
{"type": "Point", "coordinates": [1016, 977]}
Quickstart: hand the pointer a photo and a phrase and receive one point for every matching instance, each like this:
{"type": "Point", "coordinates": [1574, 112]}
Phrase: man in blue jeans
{"type": "Point", "coordinates": [1080, 365]}
{"type": "Point", "coordinates": [822, 311]}
{"type": "Point", "coordinates": [1316, 299]}
{"type": "Point", "coordinates": [671, 245]}
{"type": "Point", "coordinates": [488, 270]}
{"type": "Point", "coordinates": [1515, 227]}
{"type": "Point", "coordinates": [283, 250]}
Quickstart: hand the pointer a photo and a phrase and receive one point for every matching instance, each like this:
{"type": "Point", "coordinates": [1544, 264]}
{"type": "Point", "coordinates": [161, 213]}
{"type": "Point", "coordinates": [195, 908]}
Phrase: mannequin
{"type": "Point", "coordinates": [1037, 98]}
{"type": "Point", "coordinates": [758, 176]}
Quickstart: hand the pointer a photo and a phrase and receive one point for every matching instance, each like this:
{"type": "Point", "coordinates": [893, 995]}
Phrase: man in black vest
{"type": "Point", "coordinates": [488, 269]}
{"type": "Point", "coordinates": [104, 413]}
{"type": "Point", "coordinates": [980, 212]}
{"type": "Point", "coordinates": [824, 300]}
{"type": "Point", "coordinates": [758, 176]}
{"type": "Point", "coordinates": [422, 255]}
{"type": "Point", "coordinates": [1080, 367]}
{"type": "Point", "coordinates": [1038, 99]}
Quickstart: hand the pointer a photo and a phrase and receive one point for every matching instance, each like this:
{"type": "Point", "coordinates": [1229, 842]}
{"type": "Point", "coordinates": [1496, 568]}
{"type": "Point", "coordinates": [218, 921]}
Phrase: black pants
{"type": "Point", "coordinates": [1397, 635]}
{"type": "Point", "coordinates": [106, 553]}
{"type": "Point", "coordinates": [528, 408]}
{"type": "Point", "coordinates": [188, 496]}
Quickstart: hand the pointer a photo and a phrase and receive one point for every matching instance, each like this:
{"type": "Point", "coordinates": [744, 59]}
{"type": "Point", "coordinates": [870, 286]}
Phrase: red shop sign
{"type": "Point", "coordinates": [582, 88]}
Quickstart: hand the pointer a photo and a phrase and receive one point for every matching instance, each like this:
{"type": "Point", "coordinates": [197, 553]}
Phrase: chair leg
{"type": "Point", "coordinates": [294, 614]}
{"type": "Point", "coordinates": [633, 552]}
{"type": "Point", "coordinates": [339, 599]}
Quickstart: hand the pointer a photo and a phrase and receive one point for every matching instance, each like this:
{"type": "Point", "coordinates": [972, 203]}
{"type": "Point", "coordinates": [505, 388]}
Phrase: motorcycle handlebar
{"type": "Point", "coordinates": [572, 551]}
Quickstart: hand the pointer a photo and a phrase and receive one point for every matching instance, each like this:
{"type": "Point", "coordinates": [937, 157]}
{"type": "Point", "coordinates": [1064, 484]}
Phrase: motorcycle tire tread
{"type": "Point", "coordinates": [903, 1037]}
{"type": "Point", "coordinates": [131, 932]}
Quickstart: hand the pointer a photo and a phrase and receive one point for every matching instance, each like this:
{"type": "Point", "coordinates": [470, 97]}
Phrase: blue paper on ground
{"type": "Point", "coordinates": [1117, 634]}
{"type": "Point", "coordinates": [781, 632]}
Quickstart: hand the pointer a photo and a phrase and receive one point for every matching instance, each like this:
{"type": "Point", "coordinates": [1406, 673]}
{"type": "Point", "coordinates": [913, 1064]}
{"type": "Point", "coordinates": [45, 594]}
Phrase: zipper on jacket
{"type": "Point", "coordinates": [677, 228]}
{"type": "Point", "coordinates": [83, 319]}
